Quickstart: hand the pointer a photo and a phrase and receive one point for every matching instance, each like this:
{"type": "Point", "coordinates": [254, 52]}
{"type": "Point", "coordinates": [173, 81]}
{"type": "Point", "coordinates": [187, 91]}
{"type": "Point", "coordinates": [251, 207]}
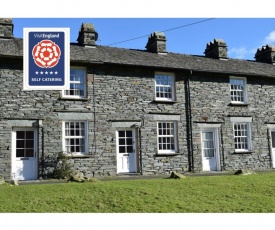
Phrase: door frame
{"type": "Point", "coordinates": [272, 161]}
{"type": "Point", "coordinates": [13, 151]}
{"type": "Point", "coordinates": [134, 131]}
{"type": "Point", "coordinates": [216, 144]}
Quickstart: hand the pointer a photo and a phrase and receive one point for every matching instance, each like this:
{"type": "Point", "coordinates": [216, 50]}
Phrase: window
{"type": "Point", "coordinates": [77, 83]}
{"type": "Point", "coordinates": [167, 137]}
{"type": "Point", "coordinates": [238, 90]}
{"type": "Point", "coordinates": [75, 137]}
{"type": "Point", "coordinates": [242, 137]}
{"type": "Point", "coordinates": [164, 87]}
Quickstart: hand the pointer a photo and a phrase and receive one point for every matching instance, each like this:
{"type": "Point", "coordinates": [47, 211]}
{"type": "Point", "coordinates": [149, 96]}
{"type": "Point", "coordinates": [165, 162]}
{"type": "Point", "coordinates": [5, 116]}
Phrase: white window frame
{"type": "Point", "coordinates": [172, 75]}
{"type": "Point", "coordinates": [64, 137]}
{"type": "Point", "coordinates": [248, 137]}
{"type": "Point", "coordinates": [244, 90]}
{"type": "Point", "coordinates": [64, 95]}
{"type": "Point", "coordinates": [174, 135]}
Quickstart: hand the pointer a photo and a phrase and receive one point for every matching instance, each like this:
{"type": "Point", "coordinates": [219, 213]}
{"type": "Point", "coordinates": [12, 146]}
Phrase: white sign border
{"type": "Point", "coordinates": [26, 85]}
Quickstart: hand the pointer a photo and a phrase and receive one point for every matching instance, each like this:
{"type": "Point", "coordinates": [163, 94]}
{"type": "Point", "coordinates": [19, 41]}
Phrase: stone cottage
{"type": "Point", "coordinates": [138, 111]}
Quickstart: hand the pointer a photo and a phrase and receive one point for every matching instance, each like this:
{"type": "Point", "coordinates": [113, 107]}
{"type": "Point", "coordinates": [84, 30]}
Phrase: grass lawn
{"type": "Point", "coordinates": [215, 194]}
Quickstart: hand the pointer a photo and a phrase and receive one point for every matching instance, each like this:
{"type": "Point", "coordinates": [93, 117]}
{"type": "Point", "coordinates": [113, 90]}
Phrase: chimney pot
{"type": "Point", "coordinates": [266, 54]}
{"type": "Point", "coordinates": [87, 35]}
{"type": "Point", "coordinates": [216, 49]}
{"type": "Point", "coordinates": [156, 43]}
{"type": "Point", "coordinates": [6, 28]}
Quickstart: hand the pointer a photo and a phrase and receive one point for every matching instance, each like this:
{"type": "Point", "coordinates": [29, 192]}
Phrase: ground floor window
{"type": "Point", "coordinates": [75, 137]}
{"type": "Point", "coordinates": [242, 137]}
{"type": "Point", "coordinates": [167, 138]}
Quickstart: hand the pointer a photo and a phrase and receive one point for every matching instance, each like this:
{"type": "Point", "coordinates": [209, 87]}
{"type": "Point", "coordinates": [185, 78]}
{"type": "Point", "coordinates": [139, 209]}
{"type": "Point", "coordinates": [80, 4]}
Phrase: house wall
{"type": "Point", "coordinates": [116, 95]}
{"type": "Point", "coordinates": [47, 109]}
{"type": "Point", "coordinates": [126, 94]}
{"type": "Point", "coordinates": [119, 96]}
{"type": "Point", "coordinates": [210, 97]}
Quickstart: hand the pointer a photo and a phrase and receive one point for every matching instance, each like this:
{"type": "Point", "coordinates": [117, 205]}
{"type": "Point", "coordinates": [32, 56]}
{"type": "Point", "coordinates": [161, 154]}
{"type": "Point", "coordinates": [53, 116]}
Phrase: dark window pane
{"type": "Point", "coordinates": [129, 141]}
{"type": "Point", "coordinates": [29, 153]}
{"type": "Point", "coordinates": [121, 141]}
{"type": "Point", "coordinates": [20, 135]}
{"type": "Point", "coordinates": [29, 135]}
{"type": "Point", "coordinates": [122, 149]}
{"type": "Point", "coordinates": [20, 144]}
{"type": "Point", "coordinates": [19, 152]}
{"type": "Point", "coordinates": [128, 133]}
{"type": "Point", "coordinates": [273, 139]}
{"type": "Point", "coordinates": [77, 141]}
{"type": "Point", "coordinates": [129, 149]}
{"type": "Point", "coordinates": [29, 144]}
{"type": "Point", "coordinates": [121, 133]}
{"type": "Point", "coordinates": [77, 133]}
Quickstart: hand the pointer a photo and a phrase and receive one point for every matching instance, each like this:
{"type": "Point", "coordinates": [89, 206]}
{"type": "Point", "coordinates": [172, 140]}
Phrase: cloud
{"type": "Point", "coordinates": [270, 38]}
{"type": "Point", "coordinates": [241, 52]}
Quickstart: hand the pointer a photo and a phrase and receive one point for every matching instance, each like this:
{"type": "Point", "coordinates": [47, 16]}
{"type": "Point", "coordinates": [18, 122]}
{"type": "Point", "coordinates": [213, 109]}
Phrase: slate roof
{"type": "Point", "coordinates": [104, 54]}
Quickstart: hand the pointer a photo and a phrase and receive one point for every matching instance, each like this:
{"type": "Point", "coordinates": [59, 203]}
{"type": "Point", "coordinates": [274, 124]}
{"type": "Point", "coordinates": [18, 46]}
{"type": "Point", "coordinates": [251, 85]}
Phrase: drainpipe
{"type": "Point", "coordinates": [222, 148]}
{"type": "Point", "coordinates": [93, 73]}
{"type": "Point", "coordinates": [189, 124]}
{"type": "Point", "coordinates": [42, 149]}
{"type": "Point", "coordinates": [138, 131]}
{"type": "Point", "coordinates": [269, 147]}
{"type": "Point", "coordinates": [140, 150]}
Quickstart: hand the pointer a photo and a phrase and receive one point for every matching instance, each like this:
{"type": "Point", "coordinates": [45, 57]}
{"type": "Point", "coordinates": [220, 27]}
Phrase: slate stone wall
{"type": "Point", "coordinates": [45, 107]}
{"type": "Point", "coordinates": [114, 94]}
{"type": "Point", "coordinates": [119, 95]}
{"type": "Point", "coordinates": [127, 94]}
{"type": "Point", "coordinates": [210, 98]}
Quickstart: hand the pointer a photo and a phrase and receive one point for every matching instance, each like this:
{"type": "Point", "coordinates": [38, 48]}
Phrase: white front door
{"type": "Point", "coordinates": [24, 154]}
{"type": "Point", "coordinates": [210, 155]}
{"type": "Point", "coordinates": [126, 151]}
{"type": "Point", "coordinates": [273, 148]}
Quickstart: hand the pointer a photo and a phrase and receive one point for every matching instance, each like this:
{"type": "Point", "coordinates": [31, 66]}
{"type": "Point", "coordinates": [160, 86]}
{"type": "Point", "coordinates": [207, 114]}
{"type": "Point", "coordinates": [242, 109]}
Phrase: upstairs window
{"type": "Point", "coordinates": [77, 83]}
{"type": "Point", "coordinates": [164, 87]}
{"type": "Point", "coordinates": [238, 90]}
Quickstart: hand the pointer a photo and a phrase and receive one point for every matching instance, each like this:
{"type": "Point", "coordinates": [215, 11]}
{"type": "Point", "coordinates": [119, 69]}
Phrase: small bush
{"type": "Point", "coordinates": [63, 167]}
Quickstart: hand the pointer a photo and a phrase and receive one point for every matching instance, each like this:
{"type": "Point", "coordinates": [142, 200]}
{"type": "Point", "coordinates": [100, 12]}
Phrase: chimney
{"type": "Point", "coordinates": [216, 49]}
{"type": "Point", "coordinates": [156, 43]}
{"type": "Point", "coordinates": [266, 54]}
{"type": "Point", "coordinates": [6, 28]}
{"type": "Point", "coordinates": [87, 35]}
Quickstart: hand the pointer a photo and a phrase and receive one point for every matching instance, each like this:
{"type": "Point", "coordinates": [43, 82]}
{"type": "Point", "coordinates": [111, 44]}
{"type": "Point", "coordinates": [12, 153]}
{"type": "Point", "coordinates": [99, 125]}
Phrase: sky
{"type": "Point", "coordinates": [243, 36]}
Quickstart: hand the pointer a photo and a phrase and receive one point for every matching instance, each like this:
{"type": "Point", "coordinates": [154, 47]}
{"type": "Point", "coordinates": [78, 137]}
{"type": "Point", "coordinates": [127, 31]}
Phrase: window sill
{"type": "Point", "coordinates": [166, 154]}
{"type": "Point", "coordinates": [79, 156]}
{"type": "Point", "coordinates": [238, 104]}
{"type": "Point", "coordinates": [164, 102]}
{"type": "Point", "coordinates": [242, 152]}
{"type": "Point", "coordinates": [73, 99]}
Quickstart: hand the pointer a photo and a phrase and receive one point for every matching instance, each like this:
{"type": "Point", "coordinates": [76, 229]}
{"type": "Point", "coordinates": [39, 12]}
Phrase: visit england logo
{"type": "Point", "coordinates": [46, 54]}
{"type": "Point", "coordinates": [46, 59]}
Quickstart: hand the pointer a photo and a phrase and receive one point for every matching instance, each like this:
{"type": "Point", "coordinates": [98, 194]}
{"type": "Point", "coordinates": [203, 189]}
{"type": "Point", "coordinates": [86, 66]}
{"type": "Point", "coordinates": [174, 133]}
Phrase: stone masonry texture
{"type": "Point", "coordinates": [121, 92]}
